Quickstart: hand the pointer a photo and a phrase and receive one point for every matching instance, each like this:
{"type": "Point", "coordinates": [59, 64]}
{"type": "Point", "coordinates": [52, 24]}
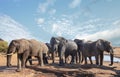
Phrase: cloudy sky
{"type": "Point", "coordinates": [42, 19]}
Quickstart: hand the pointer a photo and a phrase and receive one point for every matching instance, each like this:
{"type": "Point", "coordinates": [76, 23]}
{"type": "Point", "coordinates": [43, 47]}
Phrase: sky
{"type": "Point", "coordinates": [42, 19]}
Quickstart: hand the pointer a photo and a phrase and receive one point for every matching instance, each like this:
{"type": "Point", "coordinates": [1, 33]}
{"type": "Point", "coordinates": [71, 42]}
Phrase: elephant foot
{"type": "Point", "coordinates": [30, 63]}
{"type": "Point", "coordinates": [110, 64]}
{"type": "Point", "coordinates": [61, 64]}
{"type": "Point", "coordinates": [53, 62]}
{"type": "Point", "coordinates": [49, 58]}
{"type": "Point", "coordinates": [18, 70]}
{"type": "Point", "coordinates": [9, 65]}
{"type": "Point", "coordinates": [101, 64]}
{"type": "Point", "coordinates": [41, 64]}
{"type": "Point", "coordinates": [98, 65]}
{"type": "Point", "coordinates": [85, 63]}
{"type": "Point", "coordinates": [26, 66]}
{"type": "Point", "coordinates": [45, 61]}
{"type": "Point", "coordinates": [72, 62]}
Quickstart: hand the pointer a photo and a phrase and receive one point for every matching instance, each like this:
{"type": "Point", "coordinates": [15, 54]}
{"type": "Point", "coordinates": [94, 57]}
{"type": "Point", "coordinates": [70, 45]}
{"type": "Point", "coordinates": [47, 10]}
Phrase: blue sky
{"type": "Point", "coordinates": [42, 19]}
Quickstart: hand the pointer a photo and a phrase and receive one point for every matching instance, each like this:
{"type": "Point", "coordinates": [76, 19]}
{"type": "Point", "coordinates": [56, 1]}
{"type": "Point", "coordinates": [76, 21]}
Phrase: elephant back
{"type": "Point", "coordinates": [71, 45]}
{"type": "Point", "coordinates": [38, 46]}
{"type": "Point", "coordinates": [44, 47]}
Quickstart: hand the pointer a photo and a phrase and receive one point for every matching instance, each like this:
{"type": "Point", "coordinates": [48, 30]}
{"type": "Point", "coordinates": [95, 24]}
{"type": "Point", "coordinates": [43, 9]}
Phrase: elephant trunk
{"type": "Point", "coordinates": [9, 60]}
{"type": "Point", "coordinates": [111, 57]}
{"type": "Point", "coordinates": [9, 55]}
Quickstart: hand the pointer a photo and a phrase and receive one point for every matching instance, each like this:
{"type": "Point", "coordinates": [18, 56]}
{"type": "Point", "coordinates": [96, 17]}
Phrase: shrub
{"type": "Point", "coordinates": [3, 46]}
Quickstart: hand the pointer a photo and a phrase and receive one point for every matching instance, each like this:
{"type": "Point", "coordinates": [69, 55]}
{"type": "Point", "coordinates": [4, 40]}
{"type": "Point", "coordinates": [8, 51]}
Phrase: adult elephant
{"type": "Point", "coordinates": [50, 56]}
{"type": "Point", "coordinates": [49, 50]}
{"type": "Point", "coordinates": [96, 49]}
{"type": "Point", "coordinates": [25, 49]}
{"type": "Point", "coordinates": [64, 47]}
{"type": "Point", "coordinates": [81, 48]}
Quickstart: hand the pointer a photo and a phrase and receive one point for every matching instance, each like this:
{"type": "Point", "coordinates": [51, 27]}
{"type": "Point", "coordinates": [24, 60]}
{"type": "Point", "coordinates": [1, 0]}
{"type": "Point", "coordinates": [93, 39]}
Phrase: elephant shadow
{"type": "Point", "coordinates": [5, 68]}
{"type": "Point", "coordinates": [59, 72]}
{"type": "Point", "coordinates": [67, 66]}
{"type": "Point", "coordinates": [111, 68]}
{"type": "Point", "coordinates": [85, 66]}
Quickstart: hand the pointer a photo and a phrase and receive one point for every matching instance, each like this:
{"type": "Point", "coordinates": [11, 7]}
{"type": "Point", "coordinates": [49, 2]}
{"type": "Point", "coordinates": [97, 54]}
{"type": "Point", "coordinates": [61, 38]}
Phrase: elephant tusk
{"type": "Point", "coordinates": [6, 54]}
{"type": "Point", "coordinates": [10, 54]}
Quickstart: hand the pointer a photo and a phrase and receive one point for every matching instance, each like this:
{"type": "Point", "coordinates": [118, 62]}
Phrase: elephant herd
{"type": "Point", "coordinates": [78, 49]}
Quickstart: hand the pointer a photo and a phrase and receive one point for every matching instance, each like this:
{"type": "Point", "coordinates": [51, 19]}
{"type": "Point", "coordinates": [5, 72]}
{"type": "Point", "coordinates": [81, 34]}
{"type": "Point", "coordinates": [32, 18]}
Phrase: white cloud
{"type": "Point", "coordinates": [10, 29]}
{"type": "Point", "coordinates": [62, 26]}
{"type": "Point", "coordinates": [107, 34]}
{"type": "Point", "coordinates": [57, 29]}
{"type": "Point", "coordinates": [43, 7]}
{"type": "Point", "coordinates": [75, 3]}
{"type": "Point", "coordinates": [117, 23]}
{"type": "Point", "coordinates": [90, 30]}
{"type": "Point", "coordinates": [40, 21]}
{"type": "Point", "coordinates": [112, 34]}
{"type": "Point", "coordinates": [52, 11]}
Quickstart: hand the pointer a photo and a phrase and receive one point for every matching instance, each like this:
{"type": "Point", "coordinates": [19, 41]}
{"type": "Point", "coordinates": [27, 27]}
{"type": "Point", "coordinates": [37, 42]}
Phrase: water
{"type": "Point", "coordinates": [107, 58]}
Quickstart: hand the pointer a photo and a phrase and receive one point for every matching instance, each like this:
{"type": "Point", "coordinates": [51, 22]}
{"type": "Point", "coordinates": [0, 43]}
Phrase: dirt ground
{"type": "Point", "coordinates": [68, 70]}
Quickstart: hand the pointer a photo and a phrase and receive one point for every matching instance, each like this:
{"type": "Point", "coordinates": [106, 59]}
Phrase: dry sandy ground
{"type": "Point", "coordinates": [53, 70]}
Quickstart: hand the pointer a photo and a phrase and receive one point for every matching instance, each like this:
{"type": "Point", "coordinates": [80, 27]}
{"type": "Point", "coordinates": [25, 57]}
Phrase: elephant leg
{"type": "Point", "coordinates": [66, 58]}
{"type": "Point", "coordinates": [53, 57]}
{"type": "Point", "coordinates": [49, 55]}
{"type": "Point", "coordinates": [19, 62]}
{"type": "Point", "coordinates": [85, 60]}
{"type": "Point", "coordinates": [97, 59]}
{"type": "Point", "coordinates": [75, 60]}
{"type": "Point", "coordinates": [72, 60]}
{"type": "Point", "coordinates": [29, 59]}
{"type": "Point", "coordinates": [101, 58]}
{"type": "Point", "coordinates": [24, 59]}
{"type": "Point", "coordinates": [40, 59]}
{"type": "Point", "coordinates": [90, 60]}
{"type": "Point", "coordinates": [82, 58]}
{"type": "Point", "coordinates": [79, 55]}
{"type": "Point", "coordinates": [61, 62]}
{"type": "Point", "coordinates": [45, 58]}
{"type": "Point", "coordinates": [56, 54]}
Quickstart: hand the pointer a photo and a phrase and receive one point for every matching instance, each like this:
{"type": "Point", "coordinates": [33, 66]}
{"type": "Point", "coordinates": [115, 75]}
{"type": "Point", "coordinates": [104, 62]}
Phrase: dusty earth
{"type": "Point", "coordinates": [53, 70]}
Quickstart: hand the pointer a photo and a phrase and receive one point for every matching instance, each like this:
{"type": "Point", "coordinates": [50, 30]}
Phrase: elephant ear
{"type": "Point", "coordinates": [107, 45]}
{"type": "Point", "coordinates": [64, 41]}
{"type": "Point", "coordinates": [100, 44]}
{"type": "Point", "coordinates": [57, 41]}
{"type": "Point", "coordinates": [54, 40]}
{"type": "Point", "coordinates": [15, 43]}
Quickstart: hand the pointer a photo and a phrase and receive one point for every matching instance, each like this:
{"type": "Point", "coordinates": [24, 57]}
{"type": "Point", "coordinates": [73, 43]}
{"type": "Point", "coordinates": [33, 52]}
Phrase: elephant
{"type": "Point", "coordinates": [80, 44]}
{"type": "Point", "coordinates": [50, 56]}
{"type": "Point", "coordinates": [64, 47]}
{"type": "Point", "coordinates": [49, 50]}
{"type": "Point", "coordinates": [95, 48]}
{"type": "Point", "coordinates": [25, 49]}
